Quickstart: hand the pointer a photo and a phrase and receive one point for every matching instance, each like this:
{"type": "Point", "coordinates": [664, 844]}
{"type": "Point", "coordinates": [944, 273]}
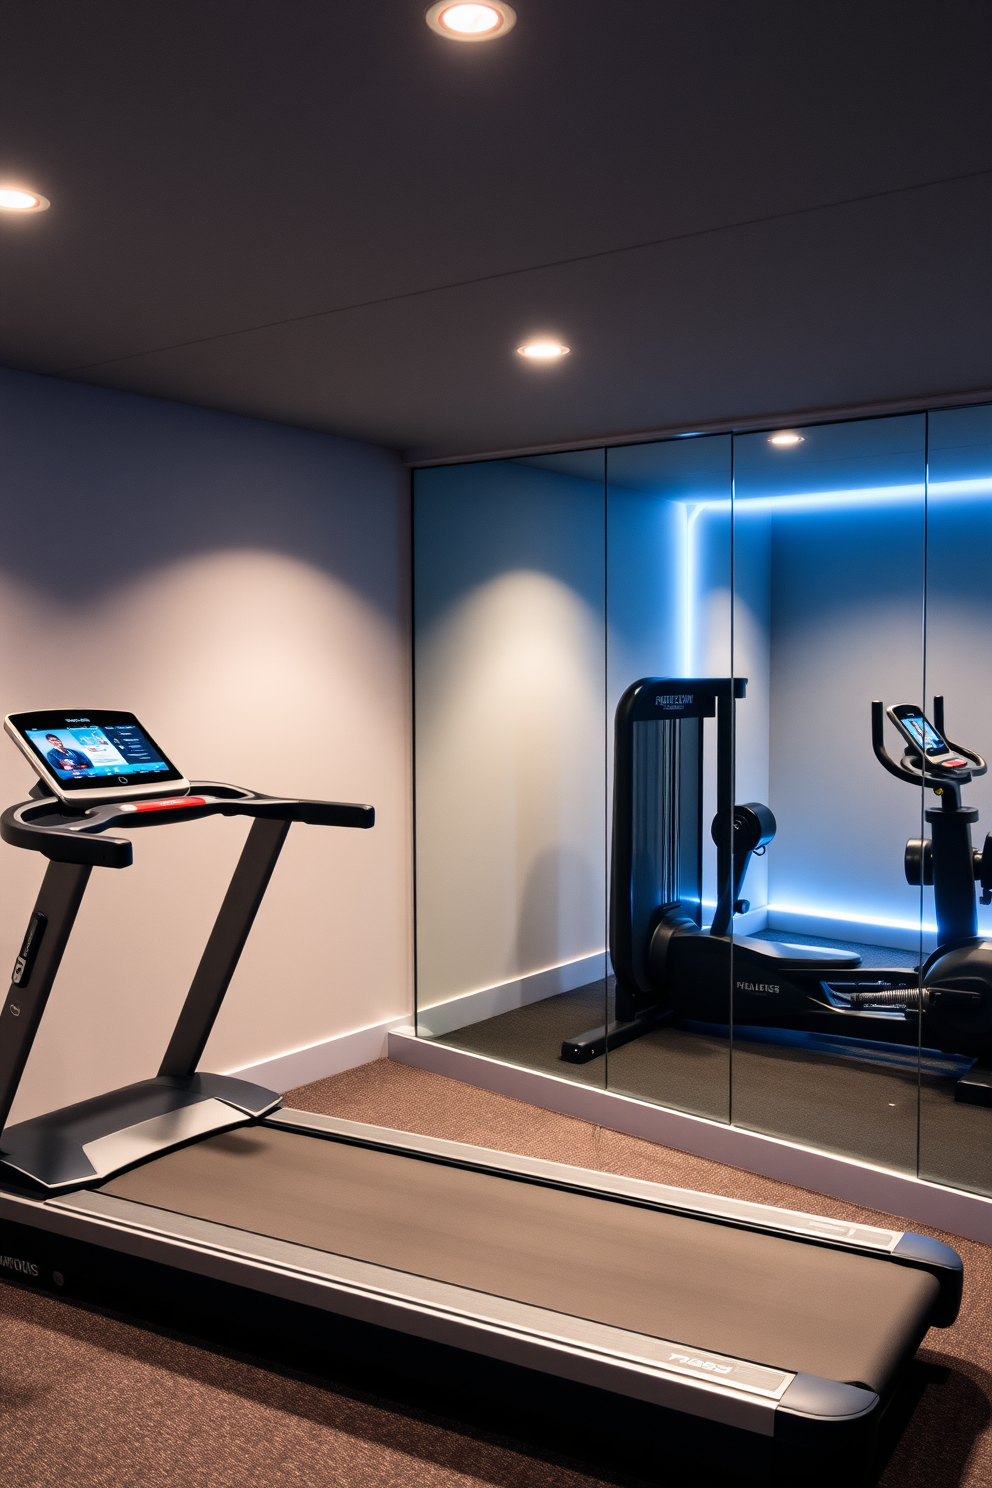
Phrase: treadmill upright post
{"type": "Point", "coordinates": [51, 923]}
{"type": "Point", "coordinates": [223, 950]}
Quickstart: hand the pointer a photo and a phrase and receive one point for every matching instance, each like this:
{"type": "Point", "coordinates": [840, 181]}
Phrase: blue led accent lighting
{"type": "Point", "coordinates": [845, 498]}
{"type": "Point", "coordinates": [691, 514]}
{"type": "Point", "coordinates": [844, 915]}
{"type": "Point", "coordinates": [799, 503]}
{"type": "Point", "coordinates": [853, 918]}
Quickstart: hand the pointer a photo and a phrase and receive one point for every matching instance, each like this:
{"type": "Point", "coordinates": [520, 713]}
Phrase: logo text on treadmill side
{"type": "Point", "coordinates": [740, 1374]}
{"type": "Point", "coordinates": [14, 1263]}
{"type": "Point", "coordinates": [695, 1363]}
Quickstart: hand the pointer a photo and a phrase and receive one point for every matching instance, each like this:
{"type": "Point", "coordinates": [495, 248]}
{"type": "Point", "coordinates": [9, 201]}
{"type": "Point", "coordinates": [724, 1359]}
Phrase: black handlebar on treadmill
{"type": "Point", "coordinates": [906, 770]}
{"type": "Point", "coordinates": [72, 838]}
{"type": "Point", "coordinates": [47, 826]}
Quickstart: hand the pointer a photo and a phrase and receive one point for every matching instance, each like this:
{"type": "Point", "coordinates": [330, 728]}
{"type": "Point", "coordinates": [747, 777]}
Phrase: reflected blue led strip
{"type": "Point", "coordinates": [838, 916]}
{"type": "Point", "coordinates": [798, 503]}
{"type": "Point", "coordinates": [852, 918]}
{"type": "Point", "coordinates": [853, 496]}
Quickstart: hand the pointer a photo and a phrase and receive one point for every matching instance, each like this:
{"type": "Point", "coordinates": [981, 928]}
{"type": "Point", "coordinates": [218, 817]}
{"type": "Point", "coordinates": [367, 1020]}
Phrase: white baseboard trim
{"type": "Point", "coordinates": [319, 1061]}
{"type": "Point", "coordinates": [933, 1204]}
{"type": "Point", "coordinates": [472, 1007]}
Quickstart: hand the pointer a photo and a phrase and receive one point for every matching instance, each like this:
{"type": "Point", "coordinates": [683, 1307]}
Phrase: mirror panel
{"type": "Point", "coordinates": [657, 849]}
{"type": "Point", "coordinates": [956, 1133]}
{"type": "Point", "coordinates": [829, 543]}
{"type": "Point", "coordinates": [669, 525]}
{"type": "Point", "coordinates": [510, 755]}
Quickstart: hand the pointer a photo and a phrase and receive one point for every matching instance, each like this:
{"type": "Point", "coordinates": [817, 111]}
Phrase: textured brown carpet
{"type": "Point", "coordinates": [89, 1400]}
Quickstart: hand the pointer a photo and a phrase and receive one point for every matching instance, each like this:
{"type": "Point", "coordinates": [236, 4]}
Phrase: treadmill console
{"type": "Point", "coordinates": [94, 754]}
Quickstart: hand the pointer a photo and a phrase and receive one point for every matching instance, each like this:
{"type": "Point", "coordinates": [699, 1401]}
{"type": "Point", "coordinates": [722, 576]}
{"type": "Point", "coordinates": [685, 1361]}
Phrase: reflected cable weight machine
{"type": "Point", "coordinates": [669, 970]}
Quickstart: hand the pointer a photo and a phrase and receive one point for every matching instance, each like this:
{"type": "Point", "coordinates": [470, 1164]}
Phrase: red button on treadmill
{"type": "Point", "coordinates": [951, 764]}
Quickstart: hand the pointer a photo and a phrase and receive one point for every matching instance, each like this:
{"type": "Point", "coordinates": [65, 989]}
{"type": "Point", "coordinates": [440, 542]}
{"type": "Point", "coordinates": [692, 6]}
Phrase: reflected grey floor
{"type": "Point", "coordinates": [841, 1104]}
{"type": "Point", "coordinates": [670, 1066]}
{"type": "Point", "coordinates": [532, 1035]}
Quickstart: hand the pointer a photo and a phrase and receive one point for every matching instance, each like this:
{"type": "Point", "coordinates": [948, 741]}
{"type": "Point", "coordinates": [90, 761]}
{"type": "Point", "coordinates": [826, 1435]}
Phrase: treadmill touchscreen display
{"type": "Point", "coordinates": [87, 748]}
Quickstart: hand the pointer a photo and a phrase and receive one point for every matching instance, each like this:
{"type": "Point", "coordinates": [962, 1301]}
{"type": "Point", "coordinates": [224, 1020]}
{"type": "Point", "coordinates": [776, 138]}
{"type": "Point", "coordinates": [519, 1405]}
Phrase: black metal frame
{"type": "Point", "coordinates": [949, 862]}
{"type": "Point", "coordinates": [58, 900]}
{"type": "Point", "coordinates": [50, 1151]}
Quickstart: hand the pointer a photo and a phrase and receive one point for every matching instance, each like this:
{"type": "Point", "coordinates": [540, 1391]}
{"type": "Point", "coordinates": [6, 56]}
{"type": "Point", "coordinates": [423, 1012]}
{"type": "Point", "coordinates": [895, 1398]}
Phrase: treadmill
{"type": "Point", "coordinates": [780, 1327]}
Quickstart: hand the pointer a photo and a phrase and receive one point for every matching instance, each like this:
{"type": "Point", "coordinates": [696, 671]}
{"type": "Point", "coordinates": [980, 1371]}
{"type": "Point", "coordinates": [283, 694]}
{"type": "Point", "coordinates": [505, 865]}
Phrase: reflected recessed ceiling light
{"type": "Point", "coordinates": [785, 439]}
{"type": "Point", "coordinates": [15, 199]}
{"type": "Point", "coordinates": [543, 351]}
{"type": "Point", "coordinates": [481, 22]}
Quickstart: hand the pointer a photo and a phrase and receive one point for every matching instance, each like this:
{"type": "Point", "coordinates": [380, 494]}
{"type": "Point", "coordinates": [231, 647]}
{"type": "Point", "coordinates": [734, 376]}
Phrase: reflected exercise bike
{"type": "Point", "coordinates": [669, 969]}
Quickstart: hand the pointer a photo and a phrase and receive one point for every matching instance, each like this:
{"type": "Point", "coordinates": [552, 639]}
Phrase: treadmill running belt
{"type": "Point", "coordinates": [780, 1302]}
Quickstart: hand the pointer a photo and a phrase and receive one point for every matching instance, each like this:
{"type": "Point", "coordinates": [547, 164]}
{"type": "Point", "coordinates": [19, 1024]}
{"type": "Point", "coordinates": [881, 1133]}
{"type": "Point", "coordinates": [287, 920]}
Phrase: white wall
{"type": "Point", "coordinates": [847, 628]}
{"type": "Point", "coordinates": [242, 587]}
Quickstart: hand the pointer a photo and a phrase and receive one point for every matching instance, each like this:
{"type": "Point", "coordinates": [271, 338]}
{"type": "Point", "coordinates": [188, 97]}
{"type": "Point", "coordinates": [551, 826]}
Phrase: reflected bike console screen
{"type": "Point", "coordinates": [923, 738]}
{"type": "Point", "coordinates": [94, 752]}
{"type": "Point", "coordinates": [918, 731]}
{"type": "Point", "coordinates": [924, 734]}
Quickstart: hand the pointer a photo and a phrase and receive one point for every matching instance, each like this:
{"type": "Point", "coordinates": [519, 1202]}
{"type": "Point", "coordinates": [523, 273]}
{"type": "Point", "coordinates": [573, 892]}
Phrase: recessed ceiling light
{"type": "Point", "coordinates": [781, 439]}
{"type": "Point", "coordinates": [543, 351]}
{"type": "Point", "coordinates": [479, 22]}
{"type": "Point", "coordinates": [16, 199]}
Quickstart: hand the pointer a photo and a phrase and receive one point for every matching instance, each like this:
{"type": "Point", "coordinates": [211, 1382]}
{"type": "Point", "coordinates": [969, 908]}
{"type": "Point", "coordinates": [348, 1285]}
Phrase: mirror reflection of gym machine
{"type": "Point", "coordinates": [669, 971]}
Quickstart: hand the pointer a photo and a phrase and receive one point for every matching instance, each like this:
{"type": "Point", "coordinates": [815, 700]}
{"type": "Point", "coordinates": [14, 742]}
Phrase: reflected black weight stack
{"type": "Point", "coordinates": [656, 862]}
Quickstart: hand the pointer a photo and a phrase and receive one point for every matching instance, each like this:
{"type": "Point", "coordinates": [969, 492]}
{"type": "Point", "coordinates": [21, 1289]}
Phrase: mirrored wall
{"type": "Point", "coordinates": [700, 796]}
{"type": "Point", "coordinates": [511, 756]}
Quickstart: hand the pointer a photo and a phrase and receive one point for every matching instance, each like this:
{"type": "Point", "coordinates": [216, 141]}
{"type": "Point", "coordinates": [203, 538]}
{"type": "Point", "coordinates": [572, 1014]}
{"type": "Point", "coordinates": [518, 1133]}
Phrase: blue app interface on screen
{"type": "Point", "coordinates": [925, 734]}
{"type": "Point", "coordinates": [90, 752]}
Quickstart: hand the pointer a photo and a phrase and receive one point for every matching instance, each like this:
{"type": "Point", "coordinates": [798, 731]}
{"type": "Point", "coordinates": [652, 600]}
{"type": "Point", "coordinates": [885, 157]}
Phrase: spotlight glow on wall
{"type": "Point", "coordinates": [543, 351]}
{"type": "Point", "coordinates": [479, 22]}
{"type": "Point", "coordinates": [16, 199]}
{"type": "Point", "coordinates": [785, 439]}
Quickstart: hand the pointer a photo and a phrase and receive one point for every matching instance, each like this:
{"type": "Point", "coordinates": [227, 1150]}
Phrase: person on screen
{"type": "Point", "coordinates": [61, 757]}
